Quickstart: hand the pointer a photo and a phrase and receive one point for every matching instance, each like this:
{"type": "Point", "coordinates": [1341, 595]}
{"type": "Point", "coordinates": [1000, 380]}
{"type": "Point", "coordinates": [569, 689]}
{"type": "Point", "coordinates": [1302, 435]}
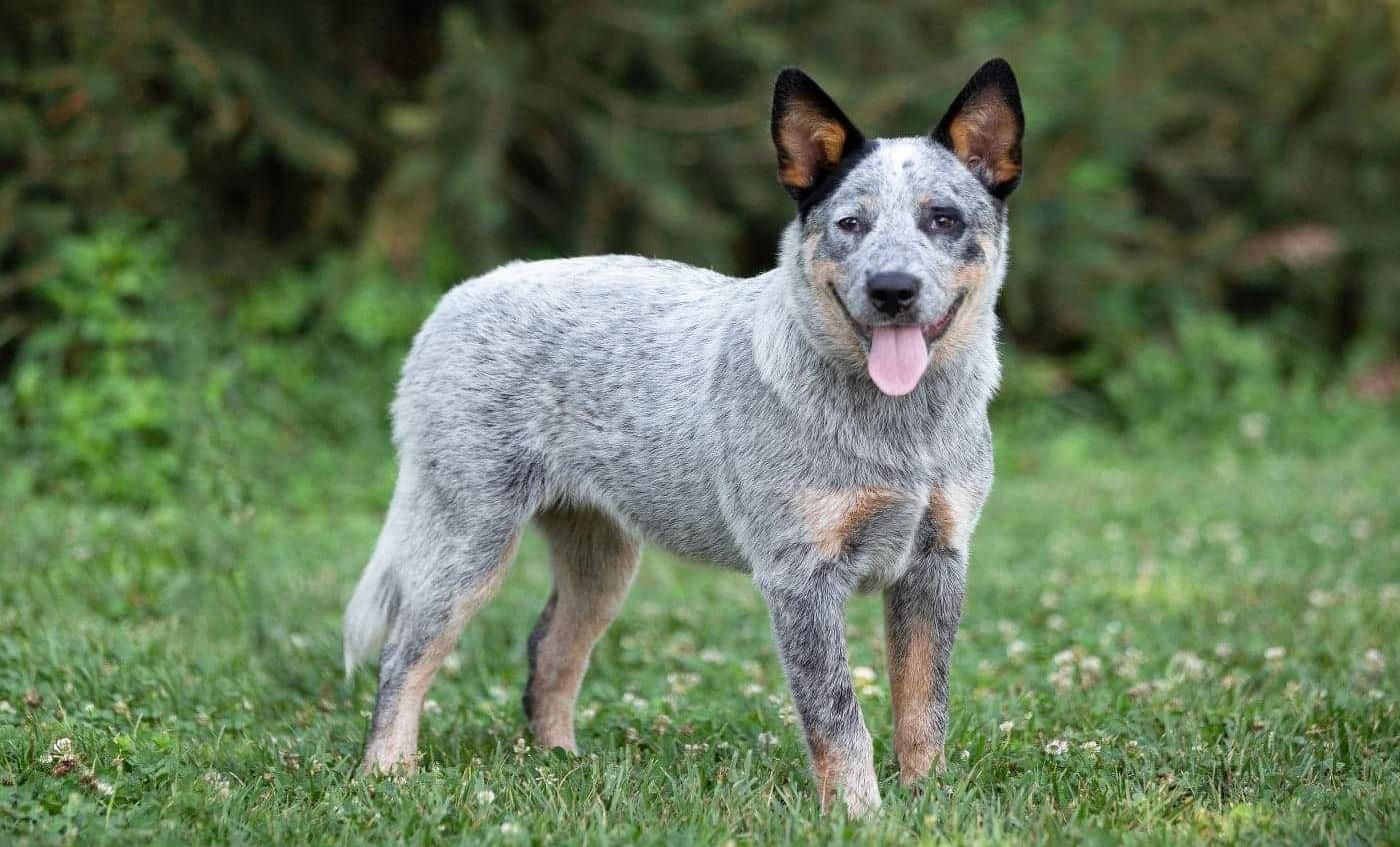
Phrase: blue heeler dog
{"type": "Point", "coordinates": [822, 427]}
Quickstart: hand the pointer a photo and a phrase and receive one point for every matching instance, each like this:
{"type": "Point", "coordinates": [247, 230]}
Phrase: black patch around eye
{"type": "Point", "coordinates": [953, 225]}
{"type": "Point", "coordinates": [831, 181]}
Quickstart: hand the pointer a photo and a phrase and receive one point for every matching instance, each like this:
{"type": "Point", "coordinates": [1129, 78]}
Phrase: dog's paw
{"type": "Point", "coordinates": [389, 765]}
{"type": "Point", "coordinates": [862, 805]}
{"type": "Point", "coordinates": [861, 793]}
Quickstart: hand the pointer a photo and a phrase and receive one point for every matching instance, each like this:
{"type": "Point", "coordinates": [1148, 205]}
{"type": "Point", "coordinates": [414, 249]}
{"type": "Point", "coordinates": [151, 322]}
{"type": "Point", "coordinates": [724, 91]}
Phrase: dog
{"type": "Point", "coordinates": [821, 427]}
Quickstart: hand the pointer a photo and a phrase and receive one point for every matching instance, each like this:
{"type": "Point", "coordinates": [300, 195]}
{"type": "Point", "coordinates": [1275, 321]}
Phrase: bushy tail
{"type": "Point", "coordinates": [370, 612]}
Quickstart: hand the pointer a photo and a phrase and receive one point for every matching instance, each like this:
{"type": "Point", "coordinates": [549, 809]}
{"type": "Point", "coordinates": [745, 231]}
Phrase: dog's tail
{"type": "Point", "coordinates": [371, 610]}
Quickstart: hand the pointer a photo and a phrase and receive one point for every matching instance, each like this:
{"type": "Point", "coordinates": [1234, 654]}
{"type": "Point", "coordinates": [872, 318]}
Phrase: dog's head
{"type": "Point", "coordinates": [901, 242]}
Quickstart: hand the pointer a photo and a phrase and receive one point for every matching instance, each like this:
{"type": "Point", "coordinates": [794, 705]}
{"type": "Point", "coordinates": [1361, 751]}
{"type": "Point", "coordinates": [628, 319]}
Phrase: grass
{"type": "Point", "coordinates": [1210, 638]}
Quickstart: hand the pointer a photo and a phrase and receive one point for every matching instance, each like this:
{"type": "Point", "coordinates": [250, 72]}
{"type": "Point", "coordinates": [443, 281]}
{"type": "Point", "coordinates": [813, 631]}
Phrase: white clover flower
{"type": "Point", "coordinates": [863, 675]}
{"type": "Point", "coordinates": [1224, 651]}
{"type": "Point", "coordinates": [62, 746]}
{"type": "Point", "coordinates": [1062, 679]}
{"type": "Point", "coordinates": [1016, 650]}
{"type": "Point", "coordinates": [218, 783]}
{"type": "Point", "coordinates": [1275, 654]}
{"type": "Point", "coordinates": [1254, 426]}
{"type": "Point", "coordinates": [1090, 671]}
{"type": "Point", "coordinates": [431, 706]}
{"type": "Point", "coordinates": [712, 656]}
{"type": "Point", "coordinates": [1374, 661]}
{"type": "Point", "coordinates": [682, 682]}
{"type": "Point", "coordinates": [1056, 623]}
{"type": "Point", "coordinates": [1063, 658]}
{"type": "Point", "coordinates": [1006, 726]}
{"type": "Point", "coordinates": [510, 828]}
{"type": "Point", "coordinates": [1320, 599]}
{"type": "Point", "coordinates": [485, 796]}
{"type": "Point", "coordinates": [5, 707]}
{"type": "Point", "coordinates": [1058, 747]}
{"type": "Point", "coordinates": [767, 739]}
{"type": "Point", "coordinates": [104, 788]}
{"type": "Point", "coordinates": [1187, 665]}
{"type": "Point", "coordinates": [752, 690]}
{"type": "Point", "coordinates": [1090, 746]}
{"type": "Point", "coordinates": [1129, 663]}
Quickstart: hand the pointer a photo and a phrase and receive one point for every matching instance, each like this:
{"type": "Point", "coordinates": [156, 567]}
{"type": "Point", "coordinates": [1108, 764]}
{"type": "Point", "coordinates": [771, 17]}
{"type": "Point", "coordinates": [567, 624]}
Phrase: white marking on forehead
{"type": "Point", "coordinates": [899, 153]}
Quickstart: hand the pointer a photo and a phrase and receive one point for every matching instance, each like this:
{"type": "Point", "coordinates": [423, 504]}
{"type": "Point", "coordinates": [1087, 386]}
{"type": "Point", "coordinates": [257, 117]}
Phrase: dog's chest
{"type": "Point", "coordinates": [874, 532]}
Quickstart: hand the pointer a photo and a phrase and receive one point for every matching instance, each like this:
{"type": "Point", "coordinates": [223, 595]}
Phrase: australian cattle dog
{"type": "Point", "coordinates": [821, 427]}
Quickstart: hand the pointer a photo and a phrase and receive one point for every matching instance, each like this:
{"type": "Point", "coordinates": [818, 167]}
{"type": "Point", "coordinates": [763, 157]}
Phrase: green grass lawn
{"type": "Point", "coordinates": [1157, 648]}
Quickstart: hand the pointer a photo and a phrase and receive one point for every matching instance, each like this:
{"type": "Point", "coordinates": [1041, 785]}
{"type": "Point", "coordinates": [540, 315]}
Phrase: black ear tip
{"type": "Point", "coordinates": [996, 72]}
{"type": "Point", "coordinates": [792, 78]}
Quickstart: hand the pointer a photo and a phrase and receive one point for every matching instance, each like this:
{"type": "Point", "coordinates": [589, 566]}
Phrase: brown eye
{"type": "Point", "coordinates": [850, 225]}
{"type": "Point", "coordinates": [944, 220]}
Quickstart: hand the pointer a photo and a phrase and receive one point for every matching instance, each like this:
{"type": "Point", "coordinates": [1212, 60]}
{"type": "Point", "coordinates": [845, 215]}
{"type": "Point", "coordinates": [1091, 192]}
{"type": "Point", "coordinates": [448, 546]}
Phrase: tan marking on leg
{"type": "Point", "coordinates": [593, 562]}
{"type": "Point", "coordinates": [396, 748]}
{"type": "Point", "coordinates": [953, 509]}
{"type": "Point", "coordinates": [832, 518]}
{"type": "Point", "coordinates": [824, 770]}
{"type": "Point", "coordinates": [916, 741]}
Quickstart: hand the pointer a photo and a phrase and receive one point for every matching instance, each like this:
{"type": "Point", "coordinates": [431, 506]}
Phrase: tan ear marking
{"type": "Point", "coordinates": [812, 143]}
{"type": "Point", "coordinates": [984, 138]}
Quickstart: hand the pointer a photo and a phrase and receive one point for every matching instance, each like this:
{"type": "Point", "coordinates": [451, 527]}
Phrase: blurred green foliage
{"type": "Point", "coordinates": [208, 216]}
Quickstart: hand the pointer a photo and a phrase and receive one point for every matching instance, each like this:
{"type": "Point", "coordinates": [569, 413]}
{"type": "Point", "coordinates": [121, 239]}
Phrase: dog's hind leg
{"type": "Point", "coordinates": [594, 560]}
{"type": "Point", "coordinates": [444, 568]}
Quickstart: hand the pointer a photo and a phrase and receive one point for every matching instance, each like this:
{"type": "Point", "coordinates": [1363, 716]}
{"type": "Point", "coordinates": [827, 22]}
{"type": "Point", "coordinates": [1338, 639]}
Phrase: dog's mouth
{"type": "Point", "coordinates": [896, 356]}
{"type": "Point", "coordinates": [932, 331]}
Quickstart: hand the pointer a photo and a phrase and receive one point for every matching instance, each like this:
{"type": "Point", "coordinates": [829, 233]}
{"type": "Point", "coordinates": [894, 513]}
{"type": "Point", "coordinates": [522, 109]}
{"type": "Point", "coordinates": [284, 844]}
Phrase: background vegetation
{"type": "Point", "coordinates": [220, 227]}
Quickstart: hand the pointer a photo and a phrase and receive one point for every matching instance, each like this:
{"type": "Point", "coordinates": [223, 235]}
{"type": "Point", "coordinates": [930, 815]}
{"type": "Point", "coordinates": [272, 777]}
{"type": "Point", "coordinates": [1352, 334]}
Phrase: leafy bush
{"type": "Point", "coordinates": [1170, 164]}
{"type": "Point", "coordinates": [95, 393]}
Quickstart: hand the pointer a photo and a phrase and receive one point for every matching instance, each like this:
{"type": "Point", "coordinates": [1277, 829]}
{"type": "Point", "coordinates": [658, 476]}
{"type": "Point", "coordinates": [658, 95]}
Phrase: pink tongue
{"type": "Point", "coordinates": [898, 356]}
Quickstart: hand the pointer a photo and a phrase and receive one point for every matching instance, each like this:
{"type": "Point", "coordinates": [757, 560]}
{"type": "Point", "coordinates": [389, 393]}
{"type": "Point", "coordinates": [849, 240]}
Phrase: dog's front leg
{"type": "Point", "coordinates": [808, 616]}
{"type": "Point", "coordinates": [922, 611]}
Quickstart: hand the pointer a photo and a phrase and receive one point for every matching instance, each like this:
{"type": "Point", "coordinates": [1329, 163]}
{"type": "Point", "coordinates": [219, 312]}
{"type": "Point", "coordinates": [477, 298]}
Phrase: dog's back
{"type": "Point", "coordinates": [590, 377]}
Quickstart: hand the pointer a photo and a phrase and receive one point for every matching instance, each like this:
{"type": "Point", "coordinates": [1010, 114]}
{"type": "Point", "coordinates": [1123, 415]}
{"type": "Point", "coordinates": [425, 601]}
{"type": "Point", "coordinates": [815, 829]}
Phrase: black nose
{"type": "Point", "coordinates": [892, 291]}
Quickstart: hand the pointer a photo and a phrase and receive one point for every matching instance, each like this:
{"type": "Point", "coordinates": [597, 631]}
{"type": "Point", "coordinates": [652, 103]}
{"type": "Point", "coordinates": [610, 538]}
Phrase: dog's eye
{"type": "Point", "coordinates": [850, 225]}
{"type": "Point", "coordinates": [944, 221]}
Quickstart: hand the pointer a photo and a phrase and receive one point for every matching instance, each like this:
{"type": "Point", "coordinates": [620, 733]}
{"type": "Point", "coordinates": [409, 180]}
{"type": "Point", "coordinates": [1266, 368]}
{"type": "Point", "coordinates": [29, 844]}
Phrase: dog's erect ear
{"type": "Point", "coordinates": [811, 133]}
{"type": "Point", "coordinates": [984, 126]}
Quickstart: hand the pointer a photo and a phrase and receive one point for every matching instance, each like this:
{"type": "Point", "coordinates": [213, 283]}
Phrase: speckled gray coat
{"type": "Point", "coordinates": [617, 399]}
